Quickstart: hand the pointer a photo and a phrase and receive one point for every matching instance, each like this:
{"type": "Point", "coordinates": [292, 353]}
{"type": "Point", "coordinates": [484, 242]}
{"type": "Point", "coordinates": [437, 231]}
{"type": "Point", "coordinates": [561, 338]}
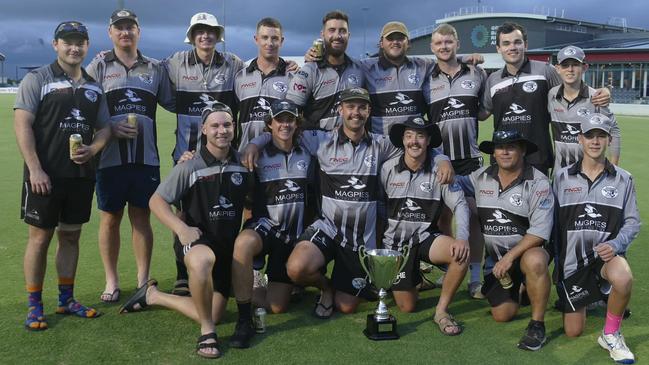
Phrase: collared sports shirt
{"type": "Point", "coordinates": [197, 86]}
{"type": "Point", "coordinates": [395, 91]}
{"type": "Point", "coordinates": [137, 90]}
{"type": "Point", "coordinates": [453, 103]}
{"type": "Point", "coordinates": [589, 213]}
{"type": "Point", "coordinates": [506, 214]}
{"type": "Point", "coordinates": [415, 201]}
{"type": "Point", "coordinates": [62, 107]}
{"type": "Point", "coordinates": [566, 124]}
{"type": "Point", "coordinates": [315, 89]}
{"type": "Point", "coordinates": [255, 93]}
{"type": "Point", "coordinates": [212, 195]}
{"type": "Point", "coordinates": [520, 102]}
{"type": "Point", "coordinates": [281, 188]}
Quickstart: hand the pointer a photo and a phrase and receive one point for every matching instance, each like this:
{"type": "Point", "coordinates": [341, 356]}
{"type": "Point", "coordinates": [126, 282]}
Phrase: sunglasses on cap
{"type": "Point", "coordinates": [506, 135]}
{"type": "Point", "coordinates": [215, 107]}
{"type": "Point", "coordinates": [67, 28]}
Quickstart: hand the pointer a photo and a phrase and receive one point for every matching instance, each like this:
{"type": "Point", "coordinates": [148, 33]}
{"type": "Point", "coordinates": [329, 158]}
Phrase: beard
{"type": "Point", "coordinates": [329, 50]}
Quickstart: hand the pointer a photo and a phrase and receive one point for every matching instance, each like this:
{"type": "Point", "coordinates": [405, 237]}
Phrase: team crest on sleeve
{"type": "Point", "coordinates": [609, 192]}
{"type": "Point", "coordinates": [301, 165]}
{"type": "Point", "coordinates": [369, 161]}
{"type": "Point", "coordinates": [426, 186]}
{"type": "Point", "coordinates": [236, 178]}
{"type": "Point", "coordinates": [219, 79]}
{"type": "Point", "coordinates": [352, 79]}
{"type": "Point", "coordinates": [530, 86]}
{"type": "Point", "coordinates": [516, 200]}
{"type": "Point", "coordinates": [90, 95]}
{"type": "Point", "coordinates": [280, 86]}
{"type": "Point", "coordinates": [468, 84]}
{"type": "Point", "coordinates": [413, 78]}
{"type": "Point", "coordinates": [145, 78]}
{"type": "Point", "coordinates": [359, 283]}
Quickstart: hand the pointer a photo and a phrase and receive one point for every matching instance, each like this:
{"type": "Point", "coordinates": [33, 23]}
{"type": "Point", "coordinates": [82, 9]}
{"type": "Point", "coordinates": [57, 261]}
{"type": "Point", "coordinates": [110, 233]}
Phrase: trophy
{"type": "Point", "coordinates": [382, 268]}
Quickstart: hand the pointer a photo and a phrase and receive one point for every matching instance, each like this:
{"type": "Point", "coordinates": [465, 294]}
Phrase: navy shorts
{"type": "Point", "coordinates": [130, 183]}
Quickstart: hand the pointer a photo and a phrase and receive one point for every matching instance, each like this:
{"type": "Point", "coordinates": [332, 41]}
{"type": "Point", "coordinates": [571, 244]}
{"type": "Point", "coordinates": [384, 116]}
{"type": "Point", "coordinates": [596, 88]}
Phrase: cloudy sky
{"type": "Point", "coordinates": [26, 26]}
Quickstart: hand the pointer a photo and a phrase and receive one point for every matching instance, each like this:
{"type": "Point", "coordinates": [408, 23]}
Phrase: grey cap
{"type": "Point", "coordinates": [571, 52]}
{"type": "Point", "coordinates": [597, 121]}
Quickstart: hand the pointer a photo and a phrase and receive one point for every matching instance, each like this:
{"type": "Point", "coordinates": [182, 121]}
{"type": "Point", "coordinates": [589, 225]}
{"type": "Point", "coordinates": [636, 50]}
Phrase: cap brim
{"type": "Point", "coordinates": [72, 34]}
{"type": "Point", "coordinates": [295, 114]}
{"type": "Point", "coordinates": [394, 31]}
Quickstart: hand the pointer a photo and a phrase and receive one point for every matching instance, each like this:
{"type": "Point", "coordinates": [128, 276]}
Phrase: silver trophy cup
{"type": "Point", "coordinates": [382, 267]}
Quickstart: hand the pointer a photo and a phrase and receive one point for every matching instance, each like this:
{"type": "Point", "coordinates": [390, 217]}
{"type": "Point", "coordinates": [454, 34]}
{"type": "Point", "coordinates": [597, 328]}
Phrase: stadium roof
{"type": "Point", "coordinates": [604, 44]}
{"type": "Point", "coordinates": [2, 57]}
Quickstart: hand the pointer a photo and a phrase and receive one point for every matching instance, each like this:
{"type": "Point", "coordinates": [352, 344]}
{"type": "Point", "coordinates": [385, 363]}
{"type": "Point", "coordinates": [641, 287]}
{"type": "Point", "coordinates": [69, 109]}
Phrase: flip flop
{"type": "Point", "coordinates": [113, 297]}
{"type": "Point", "coordinates": [212, 345]}
{"type": "Point", "coordinates": [181, 288]}
{"type": "Point", "coordinates": [445, 322]}
{"type": "Point", "coordinates": [318, 304]}
{"type": "Point", "coordinates": [138, 300]}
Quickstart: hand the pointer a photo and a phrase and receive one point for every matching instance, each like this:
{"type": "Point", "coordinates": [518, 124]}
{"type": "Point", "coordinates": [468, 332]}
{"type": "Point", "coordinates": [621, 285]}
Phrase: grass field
{"type": "Point", "coordinates": [165, 337]}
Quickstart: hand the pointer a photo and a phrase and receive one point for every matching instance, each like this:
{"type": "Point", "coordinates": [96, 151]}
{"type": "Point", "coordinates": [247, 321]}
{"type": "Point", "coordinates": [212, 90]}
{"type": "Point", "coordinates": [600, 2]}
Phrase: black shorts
{"type": "Point", "coordinates": [276, 245]}
{"type": "Point", "coordinates": [410, 276]}
{"type": "Point", "coordinates": [222, 270]}
{"type": "Point", "coordinates": [70, 202]}
{"type": "Point", "coordinates": [583, 287]}
{"type": "Point", "coordinates": [496, 294]}
{"type": "Point", "coordinates": [467, 165]}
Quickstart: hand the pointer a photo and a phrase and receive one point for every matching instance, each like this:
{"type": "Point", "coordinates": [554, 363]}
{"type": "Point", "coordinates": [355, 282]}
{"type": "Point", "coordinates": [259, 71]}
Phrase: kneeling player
{"type": "Point", "coordinates": [414, 202]}
{"type": "Point", "coordinates": [598, 219]}
{"type": "Point", "coordinates": [281, 175]}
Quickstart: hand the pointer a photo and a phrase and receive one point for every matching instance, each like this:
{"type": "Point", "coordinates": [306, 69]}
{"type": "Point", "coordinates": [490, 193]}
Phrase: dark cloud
{"type": "Point", "coordinates": [26, 26]}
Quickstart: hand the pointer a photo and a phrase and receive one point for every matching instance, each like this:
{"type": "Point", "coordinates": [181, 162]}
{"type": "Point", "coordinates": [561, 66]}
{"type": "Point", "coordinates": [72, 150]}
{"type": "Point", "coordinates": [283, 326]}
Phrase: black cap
{"type": "Point", "coordinates": [505, 137]}
{"type": "Point", "coordinates": [70, 28]}
{"type": "Point", "coordinates": [122, 14]}
{"type": "Point", "coordinates": [418, 123]}
{"type": "Point", "coordinates": [217, 106]}
{"type": "Point", "coordinates": [354, 93]}
{"type": "Point", "coordinates": [278, 107]}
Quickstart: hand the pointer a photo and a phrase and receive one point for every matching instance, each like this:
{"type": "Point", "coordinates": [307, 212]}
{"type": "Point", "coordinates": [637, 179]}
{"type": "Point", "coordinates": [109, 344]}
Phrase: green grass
{"type": "Point", "coordinates": [163, 336]}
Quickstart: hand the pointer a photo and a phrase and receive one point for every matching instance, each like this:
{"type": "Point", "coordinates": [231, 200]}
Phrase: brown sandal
{"type": "Point", "coordinates": [208, 345]}
{"type": "Point", "coordinates": [447, 324]}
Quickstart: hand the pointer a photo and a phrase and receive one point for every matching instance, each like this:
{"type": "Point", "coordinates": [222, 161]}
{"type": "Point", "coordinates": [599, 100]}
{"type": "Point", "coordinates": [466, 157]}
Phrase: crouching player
{"type": "Point", "coordinates": [281, 176]}
{"type": "Point", "coordinates": [597, 220]}
{"type": "Point", "coordinates": [414, 204]}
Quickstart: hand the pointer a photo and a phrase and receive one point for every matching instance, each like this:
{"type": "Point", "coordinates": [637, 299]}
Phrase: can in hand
{"type": "Point", "coordinates": [318, 45]}
{"type": "Point", "coordinates": [506, 281]}
{"type": "Point", "coordinates": [259, 320]}
{"type": "Point", "coordinates": [131, 119]}
{"type": "Point", "coordinates": [75, 143]}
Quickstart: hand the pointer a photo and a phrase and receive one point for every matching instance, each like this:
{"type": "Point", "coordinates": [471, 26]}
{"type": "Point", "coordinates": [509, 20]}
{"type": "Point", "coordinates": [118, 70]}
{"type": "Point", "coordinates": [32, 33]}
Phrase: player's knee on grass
{"type": "Point", "coordinates": [504, 312]}
{"type": "Point", "coordinates": [405, 300]}
{"type": "Point", "coordinates": [573, 323]}
{"type": "Point", "coordinates": [346, 303]}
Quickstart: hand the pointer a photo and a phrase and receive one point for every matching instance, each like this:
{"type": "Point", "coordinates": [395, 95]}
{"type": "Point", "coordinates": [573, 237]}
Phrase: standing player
{"type": "Point", "coordinates": [517, 95]}
{"type": "Point", "coordinates": [53, 103]}
{"type": "Point", "coordinates": [129, 167]}
{"type": "Point", "coordinates": [515, 205]}
{"type": "Point", "coordinates": [597, 220]}
{"type": "Point", "coordinates": [212, 189]}
{"type": "Point", "coordinates": [316, 87]}
{"type": "Point", "coordinates": [414, 202]}
{"type": "Point", "coordinates": [282, 174]}
{"type": "Point", "coordinates": [569, 104]}
{"type": "Point", "coordinates": [453, 92]}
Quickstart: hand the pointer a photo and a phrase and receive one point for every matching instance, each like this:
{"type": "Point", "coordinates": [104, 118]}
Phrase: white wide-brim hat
{"type": "Point", "coordinates": [206, 19]}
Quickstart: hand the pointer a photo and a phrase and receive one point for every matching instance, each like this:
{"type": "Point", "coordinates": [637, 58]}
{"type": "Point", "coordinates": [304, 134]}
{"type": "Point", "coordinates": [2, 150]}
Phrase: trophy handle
{"type": "Point", "coordinates": [362, 255]}
{"type": "Point", "coordinates": [405, 251]}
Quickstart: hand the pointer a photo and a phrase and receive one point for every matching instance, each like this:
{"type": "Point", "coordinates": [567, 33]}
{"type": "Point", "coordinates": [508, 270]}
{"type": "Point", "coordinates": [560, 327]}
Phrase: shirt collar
{"type": "Point", "coordinates": [342, 137]}
{"type": "Point", "coordinates": [525, 67]}
{"type": "Point", "coordinates": [436, 70]}
{"type": "Point", "coordinates": [280, 70]}
{"type": "Point", "coordinates": [323, 63]}
{"type": "Point", "coordinates": [576, 167]}
{"type": "Point", "coordinates": [57, 71]}
{"type": "Point", "coordinates": [218, 58]}
{"type": "Point", "coordinates": [427, 166]}
{"type": "Point", "coordinates": [272, 150]}
{"type": "Point", "coordinates": [583, 92]}
{"type": "Point", "coordinates": [111, 57]}
{"type": "Point", "coordinates": [385, 64]}
{"type": "Point", "coordinates": [211, 160]}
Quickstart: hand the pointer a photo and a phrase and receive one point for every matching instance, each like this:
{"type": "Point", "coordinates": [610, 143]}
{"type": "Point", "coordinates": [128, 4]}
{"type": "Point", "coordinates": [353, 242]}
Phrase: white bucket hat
{"type": "Point", "coordinates": [206, 19]}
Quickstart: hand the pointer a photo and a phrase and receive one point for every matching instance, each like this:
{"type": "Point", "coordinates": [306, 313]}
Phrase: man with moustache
{"type": "Point", "coordinates": [129, 167]}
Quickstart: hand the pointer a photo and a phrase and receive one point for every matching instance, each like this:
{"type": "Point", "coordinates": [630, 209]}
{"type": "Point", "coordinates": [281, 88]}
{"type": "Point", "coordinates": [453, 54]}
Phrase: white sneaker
{"type": "Point", "coordinates": [259, 280]}
{"type": "Point", "coordinates": [616, 347]}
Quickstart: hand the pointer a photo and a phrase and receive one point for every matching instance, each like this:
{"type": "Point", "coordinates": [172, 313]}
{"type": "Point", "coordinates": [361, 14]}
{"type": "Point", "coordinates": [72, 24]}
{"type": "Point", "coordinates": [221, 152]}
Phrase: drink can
{"type": "Point", "coordinates": [506, 281]}
{"type": "Point", "coordinates": [131, 119]}
{"type": "Point", "coordinates": [75, 143]}
{"type": "Point", "coordinates": [260, 320]}
{"type": "Point", "coordinates": [318, 44]}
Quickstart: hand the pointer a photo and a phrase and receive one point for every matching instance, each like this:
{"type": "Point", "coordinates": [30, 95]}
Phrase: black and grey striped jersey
{"type": "Point", "coordinates": [137, 90]}
{"type": "Point", "coordinates": [395, 91]}
{"type": "Point", "coordinates": [315, 89]}
{"type": "Point", "coordinates": [62, 107]}
{"type": "Point", "coordinates": [212, 195]}
{"type": "Point", "coordinates": [566, 124]}
{"type": "Point", "coordinates": [197, 86]}
{"type": "Point", "coordinates": [589, 213]}
{"type": "Point", "coordinates": [414, 203]}
{"type": "Point", "coordinates": [453, 103]}
{"type": "Point", "coordinates": [281, 181]}
{"type": "Point", "coordinates": [508, 213]}
{"type": "Point", "coordinates": [255, 93]}
{"type": "Point", "coordinates": [520, 102]}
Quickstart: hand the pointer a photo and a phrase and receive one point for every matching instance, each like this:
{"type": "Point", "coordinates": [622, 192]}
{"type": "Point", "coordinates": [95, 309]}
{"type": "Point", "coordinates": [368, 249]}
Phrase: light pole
{"type": "Point", "coordinates": [364, 9]}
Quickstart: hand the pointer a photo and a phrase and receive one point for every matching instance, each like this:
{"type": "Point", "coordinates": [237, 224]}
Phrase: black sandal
{"type": "Point", "coordinates": [212, 345]}
{"type": "Point", "coordinates": [138, 300]}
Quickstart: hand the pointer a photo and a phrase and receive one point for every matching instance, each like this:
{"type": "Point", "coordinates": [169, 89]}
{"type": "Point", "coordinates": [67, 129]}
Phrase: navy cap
{"type": "Point", "coordinates": [122, 14]}
{"type": "Point", "coordinates": [283, 106]}
{"type": "Point", "coordinates": [70, 28]}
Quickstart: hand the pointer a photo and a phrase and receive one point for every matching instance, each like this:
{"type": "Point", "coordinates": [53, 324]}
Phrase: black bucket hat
{"type": "Point", "coordinates": [397, 131]}
{"type": "Point", "coordinates": [507, 136]}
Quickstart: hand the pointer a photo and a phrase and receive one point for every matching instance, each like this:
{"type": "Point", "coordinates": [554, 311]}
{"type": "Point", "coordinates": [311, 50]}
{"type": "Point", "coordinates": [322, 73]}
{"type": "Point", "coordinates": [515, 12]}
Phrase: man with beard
{"type": "Point", "coordinates": [316, 87]}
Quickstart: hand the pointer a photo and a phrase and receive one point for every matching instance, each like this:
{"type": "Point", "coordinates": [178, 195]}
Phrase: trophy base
{"type": "Point", "coordinates": [379, 330]}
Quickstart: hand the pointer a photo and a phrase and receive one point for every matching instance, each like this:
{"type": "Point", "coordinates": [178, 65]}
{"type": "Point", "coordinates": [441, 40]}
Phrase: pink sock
{"type": "Point", "coordinates": [612, 324]}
